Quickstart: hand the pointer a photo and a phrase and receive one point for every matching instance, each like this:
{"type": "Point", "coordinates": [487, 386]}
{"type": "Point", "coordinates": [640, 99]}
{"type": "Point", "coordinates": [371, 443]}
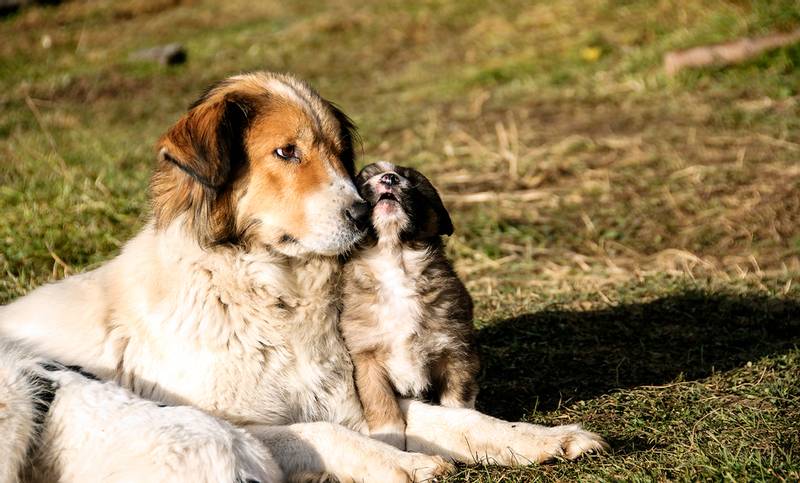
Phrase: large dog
{"type": "Point", "coordinates": [228, 301]}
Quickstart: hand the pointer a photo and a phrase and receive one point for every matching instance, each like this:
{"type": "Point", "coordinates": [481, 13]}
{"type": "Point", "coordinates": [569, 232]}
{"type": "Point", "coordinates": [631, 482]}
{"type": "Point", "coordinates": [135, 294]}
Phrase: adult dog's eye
{"type": "Point", "coordinates": [288, 153]}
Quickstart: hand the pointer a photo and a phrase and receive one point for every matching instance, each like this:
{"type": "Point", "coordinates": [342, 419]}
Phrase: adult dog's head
{"type": "Point", "coordinates": [261, 158]}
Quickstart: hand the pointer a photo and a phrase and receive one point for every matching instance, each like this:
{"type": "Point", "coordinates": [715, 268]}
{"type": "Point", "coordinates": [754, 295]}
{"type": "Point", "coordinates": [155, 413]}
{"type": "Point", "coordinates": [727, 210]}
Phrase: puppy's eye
{"type": "Point", "coordinates": [288, 153]}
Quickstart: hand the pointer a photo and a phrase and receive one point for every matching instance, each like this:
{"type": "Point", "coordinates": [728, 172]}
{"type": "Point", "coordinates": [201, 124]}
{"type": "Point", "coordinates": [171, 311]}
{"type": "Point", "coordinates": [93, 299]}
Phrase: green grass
{"type": "Point", "coordinates": [638, 272]}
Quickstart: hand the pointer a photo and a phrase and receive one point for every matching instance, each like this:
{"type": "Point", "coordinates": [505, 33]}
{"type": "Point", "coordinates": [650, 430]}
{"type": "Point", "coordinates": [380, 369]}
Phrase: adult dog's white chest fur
{"type": "Point", "coordinates": [250, 336]}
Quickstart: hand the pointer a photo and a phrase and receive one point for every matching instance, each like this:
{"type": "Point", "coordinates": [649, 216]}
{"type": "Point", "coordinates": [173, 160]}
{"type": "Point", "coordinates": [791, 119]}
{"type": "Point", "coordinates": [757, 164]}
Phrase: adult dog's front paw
{"type": "Point", "coordinates": [422, 467]}
{"type": "Point", "coordinates": [395, 467]}
{"type": "Point", "coordinates": [575, 441]}
{"type": "Point", "coordinates": [529, 443]}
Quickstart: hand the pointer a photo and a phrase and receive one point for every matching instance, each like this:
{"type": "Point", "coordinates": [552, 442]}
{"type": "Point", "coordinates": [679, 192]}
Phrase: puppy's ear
{"type": "Point", "coordinates": [198, 158]}
{"type": "Point", "coordinates": [437, 221]}
{"type": "Point", "coordinates": [444, 223]}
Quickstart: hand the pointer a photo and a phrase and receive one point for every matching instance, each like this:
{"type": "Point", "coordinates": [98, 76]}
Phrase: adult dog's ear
{"type": "Point", "coordinates": [198, 160]}
{"type": "Point", "coordinates": [348, 134]}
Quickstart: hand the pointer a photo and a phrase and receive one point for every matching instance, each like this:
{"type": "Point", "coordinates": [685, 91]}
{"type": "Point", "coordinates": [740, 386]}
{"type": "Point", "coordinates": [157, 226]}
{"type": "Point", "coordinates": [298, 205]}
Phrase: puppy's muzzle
{"type": "Point", "coordinates": [389, 179]}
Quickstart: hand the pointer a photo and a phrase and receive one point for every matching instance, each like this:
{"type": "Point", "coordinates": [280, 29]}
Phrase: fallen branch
{"type": "Point", "coordinates": [484, 196]}
{"type": "Point", "coordinates": [726, 53]}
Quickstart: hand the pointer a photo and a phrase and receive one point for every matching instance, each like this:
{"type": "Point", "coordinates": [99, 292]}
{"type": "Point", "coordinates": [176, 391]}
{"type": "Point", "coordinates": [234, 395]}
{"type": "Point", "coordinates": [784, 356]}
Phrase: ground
{"type": "Point", "coordinates": [632, 240]}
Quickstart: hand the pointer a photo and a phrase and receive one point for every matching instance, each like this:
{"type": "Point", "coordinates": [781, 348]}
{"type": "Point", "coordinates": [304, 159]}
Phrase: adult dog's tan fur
{"type": "Point", "coordinates": [228, 299]}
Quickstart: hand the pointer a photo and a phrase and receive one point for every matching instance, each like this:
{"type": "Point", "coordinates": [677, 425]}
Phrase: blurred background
{"type": "Point", "coordinates": [631, 235]}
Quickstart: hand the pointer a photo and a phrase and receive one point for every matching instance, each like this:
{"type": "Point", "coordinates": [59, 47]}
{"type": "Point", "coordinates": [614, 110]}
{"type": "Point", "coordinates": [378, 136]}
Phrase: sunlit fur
{"type": "Point", "coordinates": [228, 300]}
{"type": "Point", "coordinates": [73, 428]}
{"type": "Point", "coordinates": [219, 169]}
{"type": "Point", "coordinates": [407, 318]}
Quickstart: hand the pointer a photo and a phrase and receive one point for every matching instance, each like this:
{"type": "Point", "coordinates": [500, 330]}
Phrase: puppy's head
{"type": "Point", "coordinates": [405, 205]}
{"type": "Point", "coordinates": [261, 158]}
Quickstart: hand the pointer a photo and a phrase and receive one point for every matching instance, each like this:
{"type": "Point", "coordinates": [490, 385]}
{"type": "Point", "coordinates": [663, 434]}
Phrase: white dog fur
{"type": "Point", "coordinates": [99, 431]}
{"type": "Point", "coordinates": [246, 335]}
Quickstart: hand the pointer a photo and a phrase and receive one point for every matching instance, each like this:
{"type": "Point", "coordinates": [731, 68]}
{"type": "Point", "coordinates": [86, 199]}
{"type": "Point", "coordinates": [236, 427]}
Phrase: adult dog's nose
{"type": "Point", "coordinates": [389, 179]}
{"type": "Point", "coordinates": [358, 213]}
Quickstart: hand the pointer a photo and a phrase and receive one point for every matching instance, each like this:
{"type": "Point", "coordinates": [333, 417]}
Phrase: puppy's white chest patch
{"type": "Point", "coordinates": [398, 318]}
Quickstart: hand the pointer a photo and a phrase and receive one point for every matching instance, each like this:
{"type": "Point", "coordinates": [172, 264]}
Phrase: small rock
{"type": "Point", "coordinates": [170, 54]}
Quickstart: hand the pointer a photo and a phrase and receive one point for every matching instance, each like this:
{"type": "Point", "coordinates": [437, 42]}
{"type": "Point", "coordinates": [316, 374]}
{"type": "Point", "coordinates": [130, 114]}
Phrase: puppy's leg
{"type": "Point", "coordinates": [321, 448]}
{"type": "Point", "coordinates": [455, 377]}
{"type": "Point", "coordinates": [379, 401]}
{"type": "Point", "coordinates": [468, 436]}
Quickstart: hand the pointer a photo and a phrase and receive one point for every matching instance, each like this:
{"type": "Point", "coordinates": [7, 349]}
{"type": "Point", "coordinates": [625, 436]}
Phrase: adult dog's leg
{"type": "Point", "coordinates": [66, 321]}
{"type": "Point", "coordinates": [98, 431]}
{"type": "Point", "coordinates": [18, 399]}
{"type": "Point", "coordinates": [307, 450]}
{"type": "Point", "coordinates": [469, 436]}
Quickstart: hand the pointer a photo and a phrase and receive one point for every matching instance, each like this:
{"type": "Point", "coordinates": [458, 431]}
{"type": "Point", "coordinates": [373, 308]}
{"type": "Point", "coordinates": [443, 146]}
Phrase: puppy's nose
{"type": "Point", "coordinates": [389, 179]}
{"type": "Point", "coordinates": [358, 213]}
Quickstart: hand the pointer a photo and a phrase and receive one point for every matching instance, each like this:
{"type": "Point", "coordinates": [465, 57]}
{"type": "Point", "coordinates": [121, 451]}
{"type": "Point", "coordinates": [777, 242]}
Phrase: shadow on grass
{"type": "Point", "coordinates": [540, 360]}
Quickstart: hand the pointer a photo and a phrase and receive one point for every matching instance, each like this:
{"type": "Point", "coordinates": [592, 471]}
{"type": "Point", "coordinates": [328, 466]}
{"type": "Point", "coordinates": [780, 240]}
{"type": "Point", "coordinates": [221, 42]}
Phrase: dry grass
{"type": "Point", "coordinates": [632, 241]}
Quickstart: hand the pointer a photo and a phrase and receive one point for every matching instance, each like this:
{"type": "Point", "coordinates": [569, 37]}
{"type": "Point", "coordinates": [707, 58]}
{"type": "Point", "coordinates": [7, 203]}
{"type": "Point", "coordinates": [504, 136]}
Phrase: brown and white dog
{"type": "Point", "coordinates": [228, 301]}
{"type": "Point", "coordinates": [407, 318]}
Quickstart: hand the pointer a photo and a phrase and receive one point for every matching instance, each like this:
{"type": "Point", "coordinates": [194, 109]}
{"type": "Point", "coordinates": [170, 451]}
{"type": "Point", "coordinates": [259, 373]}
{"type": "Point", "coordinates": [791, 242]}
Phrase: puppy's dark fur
{"type": "Point", "coordinates": [407, 318]}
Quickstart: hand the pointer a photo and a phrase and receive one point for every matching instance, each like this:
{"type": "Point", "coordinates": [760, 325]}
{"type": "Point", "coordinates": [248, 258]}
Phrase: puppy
{"type": "Point", "coordinates": [407, 318]}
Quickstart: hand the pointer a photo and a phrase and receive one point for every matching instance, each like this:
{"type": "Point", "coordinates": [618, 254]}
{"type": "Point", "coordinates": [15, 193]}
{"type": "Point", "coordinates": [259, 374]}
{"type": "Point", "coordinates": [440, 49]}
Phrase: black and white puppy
{"type": "Point", "coordinates": [407, 318]}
